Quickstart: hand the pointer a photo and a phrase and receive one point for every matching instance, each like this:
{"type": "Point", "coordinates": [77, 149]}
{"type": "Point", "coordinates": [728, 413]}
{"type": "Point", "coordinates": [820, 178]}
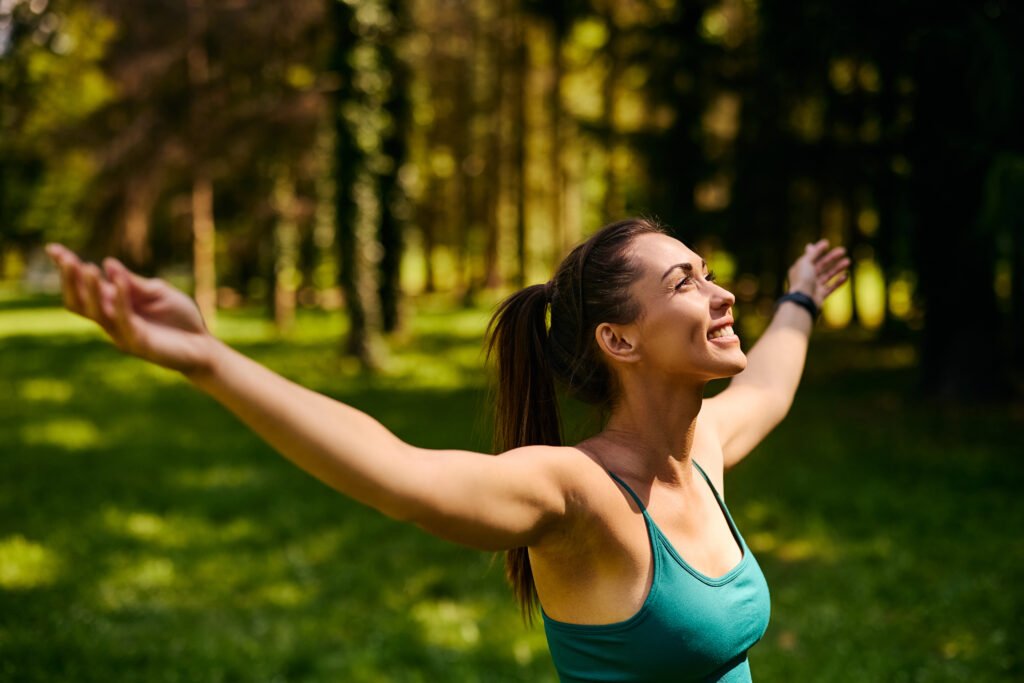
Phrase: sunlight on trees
{"type": "Point", "coordinates": [357, 155]}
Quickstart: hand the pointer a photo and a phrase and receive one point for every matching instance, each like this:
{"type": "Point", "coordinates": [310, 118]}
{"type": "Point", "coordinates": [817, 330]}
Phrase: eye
{"type": "Point", "coordinates": [710, 278]}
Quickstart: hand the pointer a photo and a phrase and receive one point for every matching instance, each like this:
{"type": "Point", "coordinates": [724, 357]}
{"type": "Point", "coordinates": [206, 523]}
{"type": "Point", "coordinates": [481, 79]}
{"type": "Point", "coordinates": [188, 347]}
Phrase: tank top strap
{"type": "Point", "coordinates": [708, 480]}
{"type": "Point", "coordinates": [640, 503]}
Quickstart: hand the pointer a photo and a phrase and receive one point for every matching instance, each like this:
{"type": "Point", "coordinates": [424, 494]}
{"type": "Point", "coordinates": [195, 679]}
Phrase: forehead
{"type": "Point", "coordinates": [656, 253]}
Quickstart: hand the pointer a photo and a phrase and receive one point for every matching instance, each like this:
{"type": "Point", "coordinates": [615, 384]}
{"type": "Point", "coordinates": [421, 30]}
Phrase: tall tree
{"type": "Point", "coordinates": [357, 272]}
{"type": "Point", "coordinates": [394, 202]}
{"type": "Point", "coordinates": [204, 234]}
{"type": "Point", "coordinates": [951, 151]}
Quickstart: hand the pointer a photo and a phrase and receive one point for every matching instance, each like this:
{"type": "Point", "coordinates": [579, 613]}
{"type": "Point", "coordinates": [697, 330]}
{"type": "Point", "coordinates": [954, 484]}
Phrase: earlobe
{"type": "Point", "coordinates": [615, 343]}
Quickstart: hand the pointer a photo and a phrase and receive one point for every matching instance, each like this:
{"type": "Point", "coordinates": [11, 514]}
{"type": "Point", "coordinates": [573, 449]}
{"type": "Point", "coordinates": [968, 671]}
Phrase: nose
{"type": "Point", "coordinates": [723, 297]}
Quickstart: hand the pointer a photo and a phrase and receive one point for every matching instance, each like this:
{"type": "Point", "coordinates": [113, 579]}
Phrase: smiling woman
{"type": "Point", "coordinates": [624, 598]}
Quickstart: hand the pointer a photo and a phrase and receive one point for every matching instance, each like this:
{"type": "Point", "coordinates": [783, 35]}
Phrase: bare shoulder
{"type": "Point", "coordinates": [584, 484]}
{"type": "Point", "coordinates": [566, 465]}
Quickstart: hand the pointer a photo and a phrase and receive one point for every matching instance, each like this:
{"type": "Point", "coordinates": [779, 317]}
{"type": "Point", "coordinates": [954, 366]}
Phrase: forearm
{"type": "Point", "coordinates": [776, 361]}
{"type": "Point", "coordinates": [338, 444]}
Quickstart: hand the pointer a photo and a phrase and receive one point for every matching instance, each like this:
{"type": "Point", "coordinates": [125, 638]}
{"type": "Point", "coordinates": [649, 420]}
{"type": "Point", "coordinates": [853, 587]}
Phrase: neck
{"type": "Point", "coordinates": [649, 434]}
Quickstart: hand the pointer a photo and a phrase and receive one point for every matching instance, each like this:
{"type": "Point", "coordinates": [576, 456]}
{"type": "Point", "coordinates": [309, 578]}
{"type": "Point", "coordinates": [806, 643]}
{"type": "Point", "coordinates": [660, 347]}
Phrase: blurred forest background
{"type": "Point", "coordinates": [347, 187]}
{"type": "Point", "coordinates": [358, 154]}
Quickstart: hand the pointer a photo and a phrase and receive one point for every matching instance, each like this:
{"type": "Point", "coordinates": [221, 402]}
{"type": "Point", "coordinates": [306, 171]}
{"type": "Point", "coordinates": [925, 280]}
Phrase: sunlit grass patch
{"type": "Point", "coordinates": [139, 579]}
{"type": "Point", "coordinates": [26, 564]}
{"type": "Point", "coordinates": [448, 623]}
{"type": "Point", "coordinates": [46, 390]}
{"type": "Point", "coordinates": [218, 477]}
{"type": "Point", "coordinates": [174, 530]}
{"type": "Point", "coordinates": [134, 377]}
{"type": "Point", "coordinates": [285, 594]}
{"type": "Point", "coordinates": [816, 546]}
{"type": "Point", "coordinates": [69, 433]}
{"type": "Point", "coordinates": [45, 322]}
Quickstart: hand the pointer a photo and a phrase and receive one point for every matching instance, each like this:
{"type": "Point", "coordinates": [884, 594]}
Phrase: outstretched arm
{"type": "Point", "coordinates": [486, 502]}
{"type": "Point", "coordinates": [482, 501]}
{"type": "Point", "coordinates": [758, 398]}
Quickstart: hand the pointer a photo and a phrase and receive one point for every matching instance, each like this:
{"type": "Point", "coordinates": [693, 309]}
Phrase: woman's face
{"type": "Point", "coordinates": [679, 308]}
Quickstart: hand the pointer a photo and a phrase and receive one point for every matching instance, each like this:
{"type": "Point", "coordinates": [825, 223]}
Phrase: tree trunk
{"type": "Point", "coordinates": [492, 196]}
{"type": "Point", "coordinates": [355, 275]}
{"type": "Point", "coordinates": [955, 249]}
{"type": "Point", "coordinates": [613, 205]}
{"type": "Point", "coordinates": [138, 200]}
{"type": "Point", "coordinates": [204, 248]}
{"type": "Point", "coordinates": [519, 141]}
{"type": "Point", "coordinates": [395, 148]}
{"type": "Point", "coordinates": [203, 229]}
{"type": "Point", "coordinates": [556, 172]}
{"type": "Point", "coordinates": [1016, 229]}
{"type": "Point", "coordinates": [461, 187]}
{"type": "Point", "coordinates": [286, 253]}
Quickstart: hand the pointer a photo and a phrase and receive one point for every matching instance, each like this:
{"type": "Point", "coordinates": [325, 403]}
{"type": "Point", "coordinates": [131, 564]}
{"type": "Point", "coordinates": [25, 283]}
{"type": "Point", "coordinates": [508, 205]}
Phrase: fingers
{"type": "Point", "coordinates": [147, 286]}
{"type": "Point", "coordinates": [829, 263]}
{"type": "Point", "coordinates": [835, 262]}
{"type": "Point", "coordinates": [85, 291]}
{"type": "Point", "coordinates": [816, 246]}
{"type": "Point", "coordinates": [65, 263]}
{"type": "Point", "coordinates": [99, 301]}
{"type": "Point", "coordinates": [89, 291]}
{"type": "Point", "coordinates": [829, 288]}
{"type": "Point", "coordinates": [122, 302]}
{"type": "Point", "coordinates": [69, 287]}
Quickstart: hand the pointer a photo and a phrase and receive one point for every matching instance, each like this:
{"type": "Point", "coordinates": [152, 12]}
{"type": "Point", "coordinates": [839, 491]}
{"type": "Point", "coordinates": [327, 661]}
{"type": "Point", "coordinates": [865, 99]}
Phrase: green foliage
{"type": "Point", "coordinates": [52, 71]}
{"type": "Point", "coordinates": [145, 534]}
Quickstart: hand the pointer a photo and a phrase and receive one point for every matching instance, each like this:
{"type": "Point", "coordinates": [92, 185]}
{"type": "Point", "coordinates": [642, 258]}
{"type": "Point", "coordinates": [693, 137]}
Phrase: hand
{"type": "Point", "coordinates": [812, 272]}
{"type": "Point", "coordinates": [145, 317]}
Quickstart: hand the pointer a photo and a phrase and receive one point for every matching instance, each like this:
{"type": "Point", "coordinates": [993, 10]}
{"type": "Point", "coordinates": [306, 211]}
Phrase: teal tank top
{"type": "Point", "coordinates": [691, 627]}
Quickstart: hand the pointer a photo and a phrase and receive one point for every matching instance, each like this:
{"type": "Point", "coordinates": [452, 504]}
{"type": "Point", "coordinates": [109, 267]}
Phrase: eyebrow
{"type": "Point", "coordinates": [685, 266]}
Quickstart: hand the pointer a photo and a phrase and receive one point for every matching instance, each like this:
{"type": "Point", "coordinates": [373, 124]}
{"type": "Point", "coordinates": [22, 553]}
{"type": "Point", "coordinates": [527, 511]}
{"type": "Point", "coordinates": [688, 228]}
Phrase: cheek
{"type": "Point", "coordinates": [676, 330]}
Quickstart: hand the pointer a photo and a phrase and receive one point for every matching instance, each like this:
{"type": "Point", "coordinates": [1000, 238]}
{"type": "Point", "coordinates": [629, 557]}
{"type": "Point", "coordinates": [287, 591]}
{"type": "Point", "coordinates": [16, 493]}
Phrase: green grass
{"type": "Point", "coordinates": [146, 535]}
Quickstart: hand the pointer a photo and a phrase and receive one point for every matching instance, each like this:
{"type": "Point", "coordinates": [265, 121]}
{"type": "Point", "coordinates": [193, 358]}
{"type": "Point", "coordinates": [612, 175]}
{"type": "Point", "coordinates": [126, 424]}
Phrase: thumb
{"type": "Point", "coordinates": [115, 268]}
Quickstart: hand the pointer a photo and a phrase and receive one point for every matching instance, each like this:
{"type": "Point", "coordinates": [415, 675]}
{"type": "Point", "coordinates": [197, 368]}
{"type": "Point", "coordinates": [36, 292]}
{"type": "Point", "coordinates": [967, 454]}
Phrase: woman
{"type": "Point", "coordinates": [596, 532]}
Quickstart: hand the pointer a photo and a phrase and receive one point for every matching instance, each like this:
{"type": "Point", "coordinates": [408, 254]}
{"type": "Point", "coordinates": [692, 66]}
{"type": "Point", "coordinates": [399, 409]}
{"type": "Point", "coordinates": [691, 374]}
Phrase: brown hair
{"type": "Point", "coordinates": [591, 286]}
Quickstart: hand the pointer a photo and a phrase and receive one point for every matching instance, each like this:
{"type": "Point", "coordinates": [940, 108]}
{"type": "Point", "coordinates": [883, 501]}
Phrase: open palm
{"type": "Point", "coordinates": [814, 273]}
{"type": "Point", "coordinates": [145, 317]}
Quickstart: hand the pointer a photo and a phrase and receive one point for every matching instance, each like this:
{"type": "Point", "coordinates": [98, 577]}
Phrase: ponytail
{"type": "Point", "coordinates": [592, 285]}
{"type": "Point", "coordinates": [526, 403]}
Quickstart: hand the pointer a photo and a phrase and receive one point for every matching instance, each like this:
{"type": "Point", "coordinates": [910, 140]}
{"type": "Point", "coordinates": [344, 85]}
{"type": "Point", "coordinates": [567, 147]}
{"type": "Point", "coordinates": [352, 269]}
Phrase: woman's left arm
{"type": "Point", "coordinates": [758, 398]}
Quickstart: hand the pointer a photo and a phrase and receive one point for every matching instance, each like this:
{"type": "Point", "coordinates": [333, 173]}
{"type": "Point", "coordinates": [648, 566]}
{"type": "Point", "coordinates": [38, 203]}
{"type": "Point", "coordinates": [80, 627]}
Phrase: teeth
{"type": "Point", "coordinates": [721, 332]}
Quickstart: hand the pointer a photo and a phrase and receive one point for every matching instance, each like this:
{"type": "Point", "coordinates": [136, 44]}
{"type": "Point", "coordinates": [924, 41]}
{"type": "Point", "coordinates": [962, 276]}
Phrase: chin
{"type": "Point", "coordinates": [739, 366]}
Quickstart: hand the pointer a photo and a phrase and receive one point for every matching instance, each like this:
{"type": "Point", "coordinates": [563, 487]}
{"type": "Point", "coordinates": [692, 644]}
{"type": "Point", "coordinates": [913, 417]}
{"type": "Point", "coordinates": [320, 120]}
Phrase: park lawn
{"type": "Point", "coordinates": [146, 535]}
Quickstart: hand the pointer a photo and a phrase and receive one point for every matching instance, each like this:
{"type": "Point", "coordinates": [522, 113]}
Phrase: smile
{"type": "Point", "coordinates": [723, 335]}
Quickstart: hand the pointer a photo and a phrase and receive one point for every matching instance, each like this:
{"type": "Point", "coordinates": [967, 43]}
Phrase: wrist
{"type": "Point", "coordinates": [801, 299]}
{"type": "Point", "coordinates": [208, 354]}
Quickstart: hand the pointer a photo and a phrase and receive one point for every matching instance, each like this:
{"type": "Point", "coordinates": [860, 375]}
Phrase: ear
{"type": "Point", "coordinates": [617, 341]}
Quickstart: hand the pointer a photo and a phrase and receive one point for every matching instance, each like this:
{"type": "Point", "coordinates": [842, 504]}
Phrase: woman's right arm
{"type": "Point", "coordinates": [487, 502]}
